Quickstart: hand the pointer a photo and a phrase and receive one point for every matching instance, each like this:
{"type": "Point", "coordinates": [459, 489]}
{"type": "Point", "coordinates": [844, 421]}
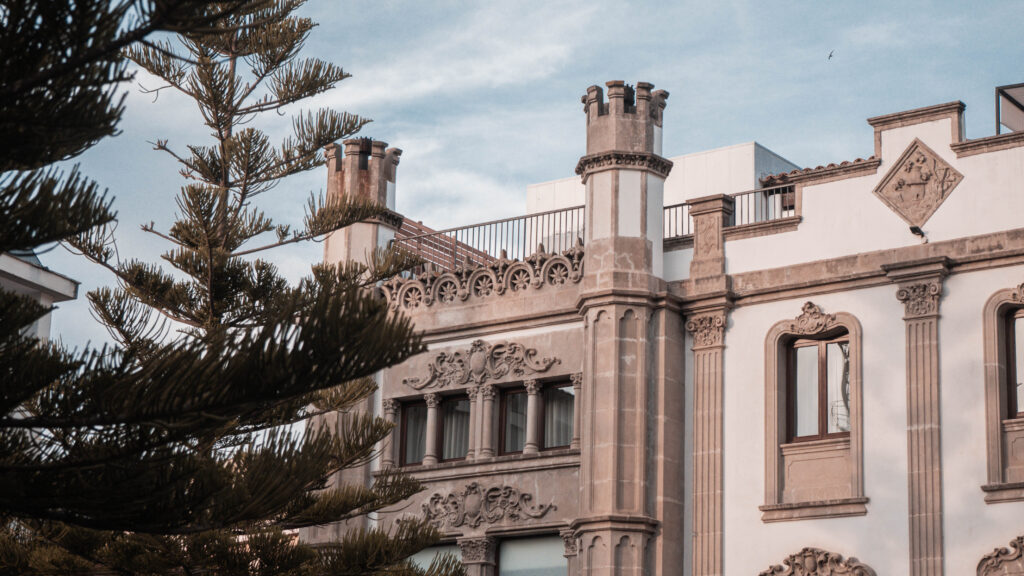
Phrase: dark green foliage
{"type": "Point", "coordinates": [210, 431]}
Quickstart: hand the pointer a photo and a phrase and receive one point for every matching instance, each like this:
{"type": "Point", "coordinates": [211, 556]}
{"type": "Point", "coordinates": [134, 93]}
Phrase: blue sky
{"type": "Point", "coordinates": [483, 97]}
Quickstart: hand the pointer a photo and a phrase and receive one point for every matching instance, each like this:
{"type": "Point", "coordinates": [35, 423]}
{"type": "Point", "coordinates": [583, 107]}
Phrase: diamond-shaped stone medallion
{"type": "Point", "coordinates": [918, 183]}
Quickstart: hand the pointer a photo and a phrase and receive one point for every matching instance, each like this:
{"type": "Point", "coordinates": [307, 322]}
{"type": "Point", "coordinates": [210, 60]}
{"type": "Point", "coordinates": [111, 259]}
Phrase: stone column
{"type": "Point", "coordinates": [919, 288]}
{"type": "Point", "coordinates": [577, 389]}
{"type": "Point", "coordinates": [387, 450]}
{"type": "Point", "coordinates": [624, 175]}
{"type": "Point", "coordinates": [532, 417]}
{"type": "Point", "coordinates": [486, 393]}
{"type": "Point", "coordinates": [708, 332]}
{"type": "Point", "coordinates": [571, 552]}
{"type": "Point", "coordinates": [431, 456]}
{"type": "Point", "coordinates": [473, 415]}
{"type": "Point", "coordinates": [478, 556]}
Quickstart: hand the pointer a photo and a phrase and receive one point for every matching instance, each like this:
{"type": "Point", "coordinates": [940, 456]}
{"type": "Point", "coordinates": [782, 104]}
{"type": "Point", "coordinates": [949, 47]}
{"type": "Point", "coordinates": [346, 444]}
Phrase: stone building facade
{"type": "Point", "coordinates": [816, 375]}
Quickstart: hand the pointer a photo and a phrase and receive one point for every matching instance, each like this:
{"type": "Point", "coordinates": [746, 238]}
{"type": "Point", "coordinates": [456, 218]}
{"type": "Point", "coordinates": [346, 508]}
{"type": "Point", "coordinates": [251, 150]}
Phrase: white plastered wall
{"type": "Point", "coordinates": [881, 537]}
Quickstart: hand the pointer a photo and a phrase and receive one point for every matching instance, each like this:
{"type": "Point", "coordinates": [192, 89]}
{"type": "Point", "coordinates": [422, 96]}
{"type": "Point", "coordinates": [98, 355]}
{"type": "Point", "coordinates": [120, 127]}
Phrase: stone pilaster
{"type": "Point", "coordinates": [387, 450]}
{"type": "Point", "coordinates": [577, 390]}
{"type": "Point", "coordinates": [711, 214]}
{"type": "Point", "coordinates": [532, 444]}
{"type": "Point", "coordinates": [431, 456]}
{"type": "Point", "coordinates": [708, 331]}
{"type": "Point", "coordinates": [486, 394]}
{"type": "Point", "coordinates": [478, 556]}
{"type": "Point", "coordinates": [919, 288]}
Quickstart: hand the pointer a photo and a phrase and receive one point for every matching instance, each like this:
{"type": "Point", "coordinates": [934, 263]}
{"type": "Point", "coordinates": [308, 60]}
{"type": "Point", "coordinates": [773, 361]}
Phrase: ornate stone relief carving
{"type": "Point", "coordinates": [1018, 293]}
{"type": "Point", "coordinates": [473, 279]}
{"type": "Point", "coordinates": [477, 550]}
{"type": "Point", "coordinates": [920, 298]}
{"type": "Point", "coordinates": [570, 543]}
{"type": "Point", "coordinates": [707, 329]}
{"type": "Point", "coordinates": [1004, 561]}
{"type": "Point", "coordinates": [475, 505]}
{"type": "Point", "coordinates": [480, 363]}
{"type": "Point", "coordinates": [645, 160]}
{"type": "Point", "coordinates": [918, 183]}
{"type": "Point", "coordinates": [812, 320]}
{"type": "Point", "coordinates": [815, 562]}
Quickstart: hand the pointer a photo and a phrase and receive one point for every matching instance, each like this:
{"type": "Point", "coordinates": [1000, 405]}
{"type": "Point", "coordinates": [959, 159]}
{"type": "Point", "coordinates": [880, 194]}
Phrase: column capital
{"type": "Point", "coordinates": [433, 400]}
{"type": "Point", "coordinates": [577, 380]}
{"type": "Point", "coordinates": [477, 550]}
{"type": "Point", "coordinates": [569, 541]}
{"type": "Point", "coordinates": [919, 285]}
{"type": "Point", "coordinates": [487, 391]}
{"type": "Point", "coordinates": [532, 387]}
{"type": "Point", "coordinates": [390, 406]}
{"type": "Point", "coordinates": [707, 328]}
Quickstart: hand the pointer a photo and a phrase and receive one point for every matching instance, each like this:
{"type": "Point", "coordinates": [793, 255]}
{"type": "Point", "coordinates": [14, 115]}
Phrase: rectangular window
{"type": "Point", "coordinates": [534, 556]}
{"type": "Point", "coordinates": [557, 405]}
{"type": "Point", "coordinates": [513, 421]}
{"type": "Point", "coordinates": [1015, 368]}
{"type": "Point", "coordinates": [454, 430]}
{"type": "Point", "coordinates": [414, 433]}
{"type": "Point", "coordinates": [819, 389]}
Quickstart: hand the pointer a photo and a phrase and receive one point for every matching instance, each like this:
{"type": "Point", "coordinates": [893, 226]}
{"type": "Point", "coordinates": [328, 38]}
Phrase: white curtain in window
{"type": "Point", "coordinates": [415, 433]}
{"type": "Point", "coordinates": [838, 358]}
{"type": "Point", "coordinates": [456, 429]}
{"type": "Point", "coordinates": [541, 556]}
{"type": "Point", "coordinates": [807, 391]}
{"type": "Point", "coordinates": [1018, 326]}
{"type": "Point", "coordinates": [558, 417]}
{"type": "Point", "coordinates": [515, 422]}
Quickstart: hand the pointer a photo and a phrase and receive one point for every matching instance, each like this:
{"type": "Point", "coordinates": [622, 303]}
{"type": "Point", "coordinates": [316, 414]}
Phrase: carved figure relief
{"type": "Point", "coordinates": [707, 329]}
{"type": "Point", "coordinates": [920, 298]}
{"type": "Point", "coordinates": [481, 362]}
{"type": "Point", "coordinates": [1004, 561]}
{"type": "Point", "coordinates": [918, 183]}
{"type": "Point", "coordinates": [482, 280]}
{"type": "Point", "coordinates": [475, 505]}
{"type": "Point", "coordinates": [816, 562]}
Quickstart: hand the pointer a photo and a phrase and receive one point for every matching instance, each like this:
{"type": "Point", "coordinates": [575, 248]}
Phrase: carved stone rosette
{"type": "Point", "coordinates": [480, 280]}
{"type": "Point", "coordinates": [920, 299]}
{"type": "Point", "coordinates": [816, 562]}
{"type": "Point", "coordinates": [475, 505]}
{"type": "Point", "coordinates": [480, 363]}
{"type": "Point", "coordinates": [918, 183]}
{"type": "Point", "coordinates": [707, 329]}
{"type": "Point", "coordinates": [812, 320]}
{"type": "Point", "coordinates": [1004, 561]}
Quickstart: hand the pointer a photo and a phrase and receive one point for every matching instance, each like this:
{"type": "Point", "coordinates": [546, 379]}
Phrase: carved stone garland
{"type": "Point", "coordinates": [475, 505]}
{"type": "Point", "coordinates": [1004, 561]}
{"type": "Point", "coordinates": [478, 280]}
{"type": "Point", "coordinates": [816, 562]}
{"type": "Point", "coordinates": [481, 362]}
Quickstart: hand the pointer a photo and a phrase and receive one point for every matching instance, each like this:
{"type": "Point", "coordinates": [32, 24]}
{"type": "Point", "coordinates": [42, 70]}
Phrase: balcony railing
{"type": "Point", "coordinates": [751, 207]}
{"type": "Point", "coordinates": [511, 238]}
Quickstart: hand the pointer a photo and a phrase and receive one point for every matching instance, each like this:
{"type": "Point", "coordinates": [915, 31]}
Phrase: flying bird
{"type": "Point", "coordinates": [830, 54]}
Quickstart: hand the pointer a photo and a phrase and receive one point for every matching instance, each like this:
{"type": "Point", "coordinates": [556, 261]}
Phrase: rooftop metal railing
{"type": "Point", "coordinates": [510, 238]}
{"type": "Point", "coordinates": [678, 222]}
{"type": "Point", "coordinates": [751, 207]}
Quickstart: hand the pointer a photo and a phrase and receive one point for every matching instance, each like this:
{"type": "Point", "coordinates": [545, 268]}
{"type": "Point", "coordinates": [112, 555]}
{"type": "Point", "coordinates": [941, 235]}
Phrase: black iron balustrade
{"type": "Point", "coordinates": [512, 238]}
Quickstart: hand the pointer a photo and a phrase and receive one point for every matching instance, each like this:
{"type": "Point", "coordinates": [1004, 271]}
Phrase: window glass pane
{"type": "Point", "coordinates": [838, 409]}
{"type": "Point", "coordinates": [532, 557]}
{"type": "Point", "coordinates": [415, 433]}
{"type": "Point", "coordinates": [455, 416]}
{"type": "Point", "coordinates": [806, 404]}
{"type": "Point", "coordinates": [424, 557]}
{"type": "Point", "coordinates": [1018, 335]}
{"type": "Point", "coordinates": [558, 406]}
{"type": "Point", "coordinates": [515, 422]}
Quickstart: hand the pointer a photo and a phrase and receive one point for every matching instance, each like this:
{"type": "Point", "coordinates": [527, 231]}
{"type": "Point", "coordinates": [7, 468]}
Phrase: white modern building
{"type": "Point", "coordinates": [23, 273]}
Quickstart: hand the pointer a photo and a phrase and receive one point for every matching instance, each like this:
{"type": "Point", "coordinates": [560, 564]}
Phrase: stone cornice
{"type": "Point", "coordinates": [822, 174]}
{"type": "Point", "coordinates": [917, 115]}
{"type": "Point", "coordinates": [618, 160]}
{"type": "Point", "coordinates": [988, 144]}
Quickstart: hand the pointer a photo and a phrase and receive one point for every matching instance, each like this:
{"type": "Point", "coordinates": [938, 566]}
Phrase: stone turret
{"type": "Point", "coordinates": [630, 121]}
{"type": "Point", "coordinates": [366, 170]}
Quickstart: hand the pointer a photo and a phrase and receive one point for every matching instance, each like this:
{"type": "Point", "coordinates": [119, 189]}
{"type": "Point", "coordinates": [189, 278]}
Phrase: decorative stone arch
{"type": "Point", "coordinates": [817, 562]}
{"type": "Point", "coordinates": [811, 323]}
{"type": "Point", "coordinates": [999, 434]}
{"type": "Point", "coordinates": [1004, 561]}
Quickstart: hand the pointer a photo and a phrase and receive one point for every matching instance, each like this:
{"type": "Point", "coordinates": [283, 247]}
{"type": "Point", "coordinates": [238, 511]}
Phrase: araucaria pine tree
{"type": "Point", "coordinates": [177, 452]}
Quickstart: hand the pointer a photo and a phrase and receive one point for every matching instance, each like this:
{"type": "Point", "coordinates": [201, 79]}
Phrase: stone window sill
{"type": "Point", "coordinates": [838, 508]}
{"type": "Point", "coordinates": [1003, 492]}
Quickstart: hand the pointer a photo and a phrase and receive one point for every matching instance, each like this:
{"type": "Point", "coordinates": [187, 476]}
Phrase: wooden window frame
{"type": "Point", "coordinates": [1001, 425]}
{"type": "Point", "coordinates": [1012, 316]}
{"type": "Point", "coordinates": [791, 390]}
{"type": "Point", "coordinates": [440, 426]}
{"type": "Point", "coordinates": [502, 404]}
{"type": "Point", "coordinates": [542, 428]}
{"type": "Point", "coordinates": [403, 431]}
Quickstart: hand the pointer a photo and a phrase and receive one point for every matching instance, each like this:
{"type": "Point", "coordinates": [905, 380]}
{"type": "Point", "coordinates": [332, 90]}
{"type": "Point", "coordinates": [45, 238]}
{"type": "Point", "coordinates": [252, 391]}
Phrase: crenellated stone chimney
{"type": "Point", "coordinates": [366, 170]}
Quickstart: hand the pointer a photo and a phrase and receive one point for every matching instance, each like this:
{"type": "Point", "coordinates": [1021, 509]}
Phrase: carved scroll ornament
{"type": "Point", "coordinates": [812, 320]}
{"type": "Point", "coordinates": [707, 329]}
{"type": "Point", "coordinates": [1004, 561]}
{"type": "Point", "coordinates": [816, 562]}
{"type": "Point", "coordinates": [480, 363]}
{"type": "Point", "coordinates": [475, 505]}
{"type": "Point", "coordinates": [918, 183]}
{"type": "Point", "coordinates": [920, 298]}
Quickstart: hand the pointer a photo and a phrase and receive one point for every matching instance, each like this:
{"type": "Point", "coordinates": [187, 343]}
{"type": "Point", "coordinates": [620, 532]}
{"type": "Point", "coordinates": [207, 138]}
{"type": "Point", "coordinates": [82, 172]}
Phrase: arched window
{"type": "Point", "coordinates": [1003, 321]}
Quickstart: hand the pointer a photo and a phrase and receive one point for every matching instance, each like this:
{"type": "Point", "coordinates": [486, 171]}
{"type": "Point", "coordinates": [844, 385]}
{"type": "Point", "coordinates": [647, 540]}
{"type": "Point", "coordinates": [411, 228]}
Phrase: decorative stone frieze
{"type": "Point", "coordinates": [479, 363]}
{"type": "Point", "coordinates": [1004, 561]}
{"type": "Point", "coordinates": [497, 277]}
{"type": "Point", "coordinates": [623, 160]}
{"type": "Point", "coordinates": [477, 550]}
{"type": "Point", "coordinates": [920, 299]}
{"type": "Point", "coordinates": [918, 183]}
{"type": "Point", "coordinates": [707, 329]}
{"type": "Point", "coordinates": [812, 320]}
{"type": "Point", "coordinates": [475, 505]}
{"type": "Point", "coordinates": [816, 562]}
